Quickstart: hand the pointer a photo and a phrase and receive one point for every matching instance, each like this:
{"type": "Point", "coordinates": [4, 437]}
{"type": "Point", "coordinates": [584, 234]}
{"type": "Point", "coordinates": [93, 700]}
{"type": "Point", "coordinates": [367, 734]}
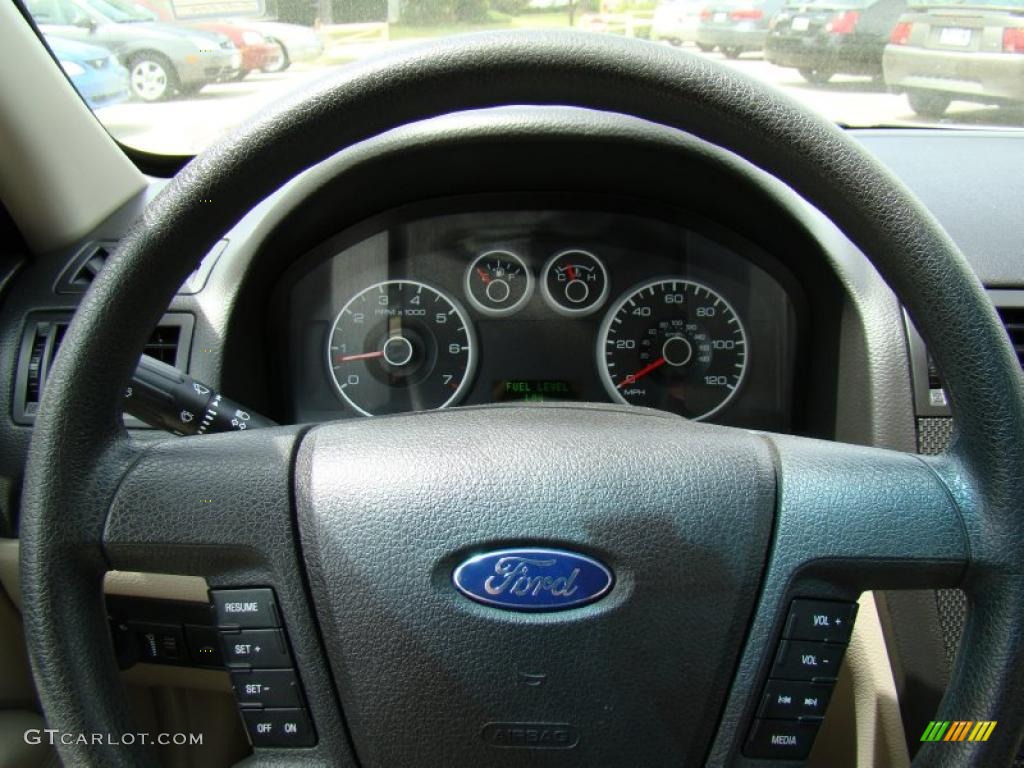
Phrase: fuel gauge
{"type": "Point", "coordinates": [575, 282]}
{"type": "Point", "coordinates": [498, 283]}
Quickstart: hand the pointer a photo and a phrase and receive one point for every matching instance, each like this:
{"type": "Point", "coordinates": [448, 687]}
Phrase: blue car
{"type": "Point", "coordinates": [95, 72]}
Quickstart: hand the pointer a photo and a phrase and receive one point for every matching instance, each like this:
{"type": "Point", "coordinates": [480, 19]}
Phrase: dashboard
{"type": "Point", "coordinates": [432, 308]}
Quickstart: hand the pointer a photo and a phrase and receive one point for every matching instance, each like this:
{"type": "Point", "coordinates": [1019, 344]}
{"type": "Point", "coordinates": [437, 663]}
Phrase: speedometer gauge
{"type": "Point", "coordinates": [400, 346]}
{"type": "Point", "coordinates": [675, 345]}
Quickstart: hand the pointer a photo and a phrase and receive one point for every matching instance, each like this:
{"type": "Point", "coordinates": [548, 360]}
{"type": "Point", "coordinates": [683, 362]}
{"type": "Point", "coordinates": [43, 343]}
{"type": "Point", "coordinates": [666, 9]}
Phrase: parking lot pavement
{"type": "Point", "coordinates": [186, 126]}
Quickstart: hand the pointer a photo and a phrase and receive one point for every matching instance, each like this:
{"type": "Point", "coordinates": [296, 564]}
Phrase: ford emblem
{"type": "Point", "coordinates": [532, 579]}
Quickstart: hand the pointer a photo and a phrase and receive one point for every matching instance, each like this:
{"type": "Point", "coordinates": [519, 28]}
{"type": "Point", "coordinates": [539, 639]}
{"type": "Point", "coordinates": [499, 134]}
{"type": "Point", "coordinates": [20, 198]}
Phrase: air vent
{"type": "Point", "coordinates": [41, 342]}
{"type": "Point", "coordinates": [163, 344]}
{"type": "Point", "coordinates": [89, 262]}
{"type": "Point", "coordinates": [1013, 321]}
{"type": "Point", "coordinates": [84, 268]}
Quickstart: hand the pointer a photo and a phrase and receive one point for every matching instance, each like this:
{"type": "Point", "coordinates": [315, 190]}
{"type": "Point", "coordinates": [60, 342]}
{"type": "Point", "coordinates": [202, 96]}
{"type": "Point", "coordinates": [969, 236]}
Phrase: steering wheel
{"type": "Point", "coordinates": [710, 531]}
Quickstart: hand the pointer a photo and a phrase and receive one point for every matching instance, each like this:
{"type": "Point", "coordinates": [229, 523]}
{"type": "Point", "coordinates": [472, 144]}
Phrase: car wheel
{"type": "Point", "coordinates": [240, 75]}
{"type": "Point", "coordinates": [816, 76]}
{"type": "Point", "coordinates": [705, 48]}
{"type": "Point", "coordinates": [928, 103]}
{"type": "Point", "coordinates": [153, 77]}
{"type": "Point", "coordinates": [283, 63]}
{"type": "Point", "coordinates": [732, 52]}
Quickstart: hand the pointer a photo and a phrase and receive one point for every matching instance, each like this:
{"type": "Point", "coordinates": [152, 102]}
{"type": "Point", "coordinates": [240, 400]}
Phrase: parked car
{"type": "Point", "coordinates": [297, 43]}
{"type": "Point", "coordinates": [736, 27]}
{"type": "Point", "coordinates": [258, 53]}
{"type": "Point", "coordinates": [972, 51]}
{"type": "Point", "coordinates": [161, 59]}
{"type": "Point", "coordinates": [676, 21]}
{"type": "Point", "coordinates": [94, 71]}
{"type": "Point", "coordinates": [825, 37]}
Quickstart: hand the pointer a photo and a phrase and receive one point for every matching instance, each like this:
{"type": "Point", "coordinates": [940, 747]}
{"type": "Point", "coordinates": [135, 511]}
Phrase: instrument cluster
{"type": "Point", "coordinates": [432, 310]}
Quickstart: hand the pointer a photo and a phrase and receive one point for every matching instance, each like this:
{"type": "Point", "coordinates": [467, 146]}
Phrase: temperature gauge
{"type": "Point", "coordinates": [498, 283]}
{"type": "Point", "coordinates": [575, 282]}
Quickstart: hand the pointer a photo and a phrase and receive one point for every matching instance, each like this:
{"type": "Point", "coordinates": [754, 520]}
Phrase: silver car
{"type": "Point", "coordinates": [972, 51]}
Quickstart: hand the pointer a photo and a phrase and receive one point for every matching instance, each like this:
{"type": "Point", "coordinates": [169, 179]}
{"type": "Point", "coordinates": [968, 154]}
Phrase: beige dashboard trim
{"type": "Point", "coordinates": [152, 585]}
{"type": "Point", "coordinates": [158, 586]}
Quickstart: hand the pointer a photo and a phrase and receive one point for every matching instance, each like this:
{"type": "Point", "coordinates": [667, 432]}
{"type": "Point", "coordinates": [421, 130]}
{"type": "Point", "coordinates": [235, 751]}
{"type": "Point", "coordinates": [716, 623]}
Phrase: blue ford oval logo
{"type": "Point", "coordinates": [532, 579]}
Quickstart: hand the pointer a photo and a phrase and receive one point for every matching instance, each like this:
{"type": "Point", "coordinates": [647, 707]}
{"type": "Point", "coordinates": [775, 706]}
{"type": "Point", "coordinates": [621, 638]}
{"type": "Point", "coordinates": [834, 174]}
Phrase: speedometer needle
{"type": "Point", "coordinates": [631, 379]}
{"type": "Point", "coordinates": [363, 356]}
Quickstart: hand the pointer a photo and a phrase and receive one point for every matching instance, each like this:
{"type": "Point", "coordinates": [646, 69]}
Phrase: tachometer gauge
{"type": "Point", "coordinates": [575, 283]}
{"type": "Point", "coordinates": [675, 345]}
{"type": "Point", "coordinates": [498, 283]}
{"type": "Point", "coordinates": [400, 346]}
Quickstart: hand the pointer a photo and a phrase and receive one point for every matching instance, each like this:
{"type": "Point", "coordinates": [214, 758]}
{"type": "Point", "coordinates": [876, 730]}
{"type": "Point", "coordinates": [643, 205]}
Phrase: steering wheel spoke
{"type": "Point", "coordinates": [220, 506]}
{"type": "Point", "coordinates": [848, 519]}
{"type": "Point", "coordinates": [205, 505]}
{"type": "Point", "coordinates": [869, 518]}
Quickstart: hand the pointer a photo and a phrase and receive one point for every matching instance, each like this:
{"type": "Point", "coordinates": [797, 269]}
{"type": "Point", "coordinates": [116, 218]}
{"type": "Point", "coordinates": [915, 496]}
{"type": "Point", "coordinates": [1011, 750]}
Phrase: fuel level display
{"type": "Point", "coordinates": [575, 282]}
{"type": "Point", "coordinates": [498, 283]}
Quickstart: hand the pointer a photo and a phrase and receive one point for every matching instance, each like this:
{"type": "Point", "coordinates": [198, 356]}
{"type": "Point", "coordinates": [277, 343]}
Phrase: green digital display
{"type": "Point", "coordinates": [534, 390]}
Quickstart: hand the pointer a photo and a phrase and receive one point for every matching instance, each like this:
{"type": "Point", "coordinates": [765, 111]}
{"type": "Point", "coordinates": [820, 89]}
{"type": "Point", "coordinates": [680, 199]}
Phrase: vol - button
{"type": "Point", "coordinates": [798, 660]}
{"type": "Point", "coordinates": [256, 648]}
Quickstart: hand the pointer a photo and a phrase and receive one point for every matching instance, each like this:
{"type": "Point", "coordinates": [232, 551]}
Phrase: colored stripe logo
{"type": "Point", "coordinates": [958, 730]}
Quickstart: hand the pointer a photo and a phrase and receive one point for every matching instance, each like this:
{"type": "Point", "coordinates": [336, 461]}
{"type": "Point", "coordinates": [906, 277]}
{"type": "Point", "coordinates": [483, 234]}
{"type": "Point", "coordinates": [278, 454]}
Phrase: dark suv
{"type": "Point", "coordinates": [821, 39]}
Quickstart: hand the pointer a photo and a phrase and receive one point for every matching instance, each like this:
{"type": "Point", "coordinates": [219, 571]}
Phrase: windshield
{"type": "Point", "coordinates": [797, 4]}
{"type": "Point", "coordinates": [203, 66]}
{"type": "Point", "coordinates": [119, 11]}
{"type": "Point", "coordinates": [1007, 4]}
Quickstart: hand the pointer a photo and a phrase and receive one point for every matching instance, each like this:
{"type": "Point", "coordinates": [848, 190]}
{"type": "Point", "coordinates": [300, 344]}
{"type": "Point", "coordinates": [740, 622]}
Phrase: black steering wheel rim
{"type": "Point", "coordinates": [79, 451]}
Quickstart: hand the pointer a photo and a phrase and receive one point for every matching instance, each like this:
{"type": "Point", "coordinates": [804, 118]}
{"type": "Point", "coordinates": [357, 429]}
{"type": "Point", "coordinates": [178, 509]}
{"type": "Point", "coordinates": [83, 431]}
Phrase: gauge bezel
{"type": "Point", "coordinates": [504, 311]}
{"type": "Point", "coordinates": [616, 307]}
{"type": "Point", "coordinates": [552, 302]}
{"type": "Point", "coordinates": [459, 310]}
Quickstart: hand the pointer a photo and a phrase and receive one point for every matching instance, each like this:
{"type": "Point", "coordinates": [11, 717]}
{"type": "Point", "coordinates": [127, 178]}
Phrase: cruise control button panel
{"type": "Point", "coordinates": [256, 652]}
{"type": "Point", "coordinates": [799, 686]}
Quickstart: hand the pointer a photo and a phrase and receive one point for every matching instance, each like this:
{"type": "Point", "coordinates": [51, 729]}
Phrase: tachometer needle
{"type": "Point", "coordinates": [363, 356]}
{"type": "Point", "coordinates": [641, 373]}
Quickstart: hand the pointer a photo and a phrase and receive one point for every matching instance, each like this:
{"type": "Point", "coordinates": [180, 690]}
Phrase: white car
{"type": "Point", "coordinates": [676, 21]}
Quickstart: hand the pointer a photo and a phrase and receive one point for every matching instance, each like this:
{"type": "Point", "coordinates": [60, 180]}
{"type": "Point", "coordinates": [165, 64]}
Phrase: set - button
{"type": "Point", "coordinates": [256, 652]}
{"type": "Point", "coordinates": [803, 672]}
